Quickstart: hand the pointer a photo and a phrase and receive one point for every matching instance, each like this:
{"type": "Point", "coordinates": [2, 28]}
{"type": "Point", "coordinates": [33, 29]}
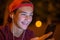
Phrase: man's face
{"type": "Point", "coordinates": [23, 17]}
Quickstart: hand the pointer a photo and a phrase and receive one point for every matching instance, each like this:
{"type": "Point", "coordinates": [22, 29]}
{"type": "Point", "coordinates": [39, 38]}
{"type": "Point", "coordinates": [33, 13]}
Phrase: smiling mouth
{"type": "Point", "coordinates": [24, 23]}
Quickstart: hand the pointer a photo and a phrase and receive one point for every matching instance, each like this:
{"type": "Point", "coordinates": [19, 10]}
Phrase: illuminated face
{"type": "Point", "coordinates": [23, 17]}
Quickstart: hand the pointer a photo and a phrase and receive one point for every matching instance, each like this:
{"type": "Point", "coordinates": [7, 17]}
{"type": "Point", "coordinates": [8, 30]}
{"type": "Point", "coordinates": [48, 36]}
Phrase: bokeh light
{"type": "Point", "coordinates": [38, 23]}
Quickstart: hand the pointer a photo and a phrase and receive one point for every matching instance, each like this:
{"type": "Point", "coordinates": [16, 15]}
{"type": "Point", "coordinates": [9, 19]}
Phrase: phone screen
{"type": "Point", "coordinates": [50, 28]}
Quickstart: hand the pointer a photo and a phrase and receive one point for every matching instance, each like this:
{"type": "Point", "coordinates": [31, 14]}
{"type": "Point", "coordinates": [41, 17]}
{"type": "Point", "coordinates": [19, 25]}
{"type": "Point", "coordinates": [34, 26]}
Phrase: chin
{"type": "Point", "coordinates": [24, 28]}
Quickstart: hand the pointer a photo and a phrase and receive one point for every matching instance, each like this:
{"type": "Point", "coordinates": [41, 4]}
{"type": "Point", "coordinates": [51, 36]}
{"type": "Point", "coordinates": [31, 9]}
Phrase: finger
{"type": "Point", "coordinates": [36, 38]}
{"type": "Point", "coordinates": [46, 35]}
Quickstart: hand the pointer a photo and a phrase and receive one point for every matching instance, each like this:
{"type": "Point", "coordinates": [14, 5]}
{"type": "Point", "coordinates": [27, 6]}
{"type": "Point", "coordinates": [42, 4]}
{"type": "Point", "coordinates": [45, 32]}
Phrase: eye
{"type": "Point", "coordinates": [23, 14]}
{"type": "Point", "coordinates": [31, 14]}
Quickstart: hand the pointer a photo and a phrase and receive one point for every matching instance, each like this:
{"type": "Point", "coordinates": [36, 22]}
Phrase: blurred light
{"type": "Point", "coordinates": [38, 23]}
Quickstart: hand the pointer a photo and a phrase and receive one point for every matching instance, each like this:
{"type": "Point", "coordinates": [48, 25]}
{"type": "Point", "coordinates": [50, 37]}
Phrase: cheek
{"type": "Point", "coordinates": [21, 18]}
{"type": "Point", "coordinates": [15, 19]}
{"type": "Point", "coordinates": [30, 19]}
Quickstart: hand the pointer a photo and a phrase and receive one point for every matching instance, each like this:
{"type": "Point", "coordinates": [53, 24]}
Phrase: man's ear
{"type": "Point", "coordinates": [12, 15]}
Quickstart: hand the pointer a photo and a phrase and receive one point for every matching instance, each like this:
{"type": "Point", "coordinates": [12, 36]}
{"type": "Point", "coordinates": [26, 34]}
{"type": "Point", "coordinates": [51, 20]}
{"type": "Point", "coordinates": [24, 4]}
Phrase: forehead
{"type": "Point", "coordinates": [26, 9]}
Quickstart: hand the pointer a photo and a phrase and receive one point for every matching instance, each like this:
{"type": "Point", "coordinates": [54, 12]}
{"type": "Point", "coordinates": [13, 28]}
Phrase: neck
{"type": "Point", "coordinates": [16, 31]}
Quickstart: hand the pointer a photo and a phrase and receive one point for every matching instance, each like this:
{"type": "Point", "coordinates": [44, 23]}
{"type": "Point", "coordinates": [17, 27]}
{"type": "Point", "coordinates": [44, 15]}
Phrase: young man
{"type": "Point", "coordinates": [21, 13]}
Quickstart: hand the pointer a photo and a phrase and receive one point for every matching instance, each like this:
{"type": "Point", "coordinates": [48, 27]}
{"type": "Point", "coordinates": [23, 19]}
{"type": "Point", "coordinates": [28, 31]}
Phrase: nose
{"type": "Point", "coordinates": [27, 17]}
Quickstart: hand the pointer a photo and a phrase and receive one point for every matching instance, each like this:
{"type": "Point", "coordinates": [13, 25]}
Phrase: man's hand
{"type": "Point", "coordinates": [42, 37]}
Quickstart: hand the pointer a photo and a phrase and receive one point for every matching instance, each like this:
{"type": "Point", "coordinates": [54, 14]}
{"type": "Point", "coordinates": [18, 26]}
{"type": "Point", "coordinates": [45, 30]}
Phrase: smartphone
{"type": "Point", "coordinates": [50, 28]}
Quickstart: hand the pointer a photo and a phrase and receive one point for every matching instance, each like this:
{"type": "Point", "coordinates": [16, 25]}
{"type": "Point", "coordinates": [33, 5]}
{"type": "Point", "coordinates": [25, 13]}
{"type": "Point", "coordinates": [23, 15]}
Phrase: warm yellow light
{"type": "Point", "coordinates": [38, 23]}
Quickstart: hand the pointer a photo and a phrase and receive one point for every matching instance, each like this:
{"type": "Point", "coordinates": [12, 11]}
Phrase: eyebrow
{"type": "Point", "coordinates": [23, 12]}
{"type": "Point", "coordinates": [26, 12]}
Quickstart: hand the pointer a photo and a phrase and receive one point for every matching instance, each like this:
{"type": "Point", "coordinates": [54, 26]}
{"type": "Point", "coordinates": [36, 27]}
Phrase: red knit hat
{"type": "Point", "coordinates": [17, 4]}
